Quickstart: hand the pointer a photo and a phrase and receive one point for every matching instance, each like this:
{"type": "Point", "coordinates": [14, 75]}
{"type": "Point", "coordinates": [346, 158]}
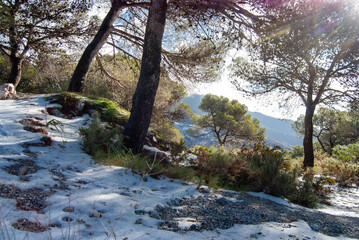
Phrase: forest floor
{"type": "Point", "coordinates": [51, 189]}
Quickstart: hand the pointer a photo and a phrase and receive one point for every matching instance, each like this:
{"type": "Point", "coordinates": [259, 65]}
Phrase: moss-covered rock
{"type": "Point", "coordinates": [73, 104]}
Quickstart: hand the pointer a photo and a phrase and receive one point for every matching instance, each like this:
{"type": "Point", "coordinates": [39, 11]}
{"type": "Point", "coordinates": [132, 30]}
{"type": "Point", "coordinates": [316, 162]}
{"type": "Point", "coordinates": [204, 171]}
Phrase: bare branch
{"type": "Point", "coordinates": [103, 70]}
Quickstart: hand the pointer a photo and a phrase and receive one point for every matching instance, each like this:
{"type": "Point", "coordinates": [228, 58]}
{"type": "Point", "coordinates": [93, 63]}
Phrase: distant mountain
{"type": "Point", "coordinates": [279, 132]}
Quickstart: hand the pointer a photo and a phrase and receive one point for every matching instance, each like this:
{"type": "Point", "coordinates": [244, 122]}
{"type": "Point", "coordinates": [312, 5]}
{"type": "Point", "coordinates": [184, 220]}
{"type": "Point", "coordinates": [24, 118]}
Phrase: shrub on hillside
{"type": "Point", "coordinates": [168, 133]}
{"type": "Point", "coordinates": [348, 153]}
{"type": "Point", "coordinates": [297, 151]}
{"type": "Point", "coordinates": [305, 193]}
{"type": "Point", "coordinates": [269, 171]}
{"type": "Point", "coordinates": [97, 139]}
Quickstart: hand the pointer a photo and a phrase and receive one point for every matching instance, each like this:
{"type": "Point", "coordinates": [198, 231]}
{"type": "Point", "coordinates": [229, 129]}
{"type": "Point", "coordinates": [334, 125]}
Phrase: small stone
{"type": "Point", "coordinates": [55, 225]}
{"type": "Point", "coordinates": [160, 207]}
{"type": "Point", "coordinates": [204, 190]}
{"type": "Point", "coordinates": [96, 214]}
{"type": "Point", "coordinates": [315, 227]}
{"type": "Point", "coordinates": [139, 221]}
{"type": "Point", "coordinates": [125, 194]}
{"type": "Point", "coordinates": [24, 178]}
{"type": "Point", "coordinates": [140, 212]}
{"type": "Point", "coordinates": [92, 112]}
{"type": "Point", "coordinates": [67, 219]}
{"type": "Point", "coordinates": [154, 214]}
{"type": "Point", "coordinates": [69, 209]}
{"type": "Point", "coordinates": [79, 106]}
{"type": "Point", "coordinates": [222, 201]}
{"type": "Point", "coordinates": [81, 221]}
{"type": "Point", "coordinates": [23, 170]}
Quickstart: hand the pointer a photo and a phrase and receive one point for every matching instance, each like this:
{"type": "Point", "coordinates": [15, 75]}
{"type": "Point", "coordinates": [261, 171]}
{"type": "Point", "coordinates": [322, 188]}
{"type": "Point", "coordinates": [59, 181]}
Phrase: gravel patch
{"type": "Point", "coordinates": [210, 212]}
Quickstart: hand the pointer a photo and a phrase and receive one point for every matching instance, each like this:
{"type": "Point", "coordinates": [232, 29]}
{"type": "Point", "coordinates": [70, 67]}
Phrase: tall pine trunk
{"type": "Point", "coordinates": [79, 76]}
{"type": "Point", "coordinates": [16, 69]}
{"type": "Point", "coordinates": [15, 57]}
{"type": "Point", "coordinates": [144, 97]}
{"type": "Point", "coordinates": [308, 137]}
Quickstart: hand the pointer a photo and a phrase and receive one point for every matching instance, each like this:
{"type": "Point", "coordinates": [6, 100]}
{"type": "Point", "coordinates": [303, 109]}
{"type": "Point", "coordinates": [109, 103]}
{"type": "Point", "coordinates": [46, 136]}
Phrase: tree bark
{"type": "Point", "coordinates": [16, 58]}
{"type": "Point", "coordinates": [144, 97]}
{"type": "Point", "coordinates": [308, 137]}
{"type": "Point", "coordinates": [79, 76]}
{"type": "Point", "coordinates": [16, 68]}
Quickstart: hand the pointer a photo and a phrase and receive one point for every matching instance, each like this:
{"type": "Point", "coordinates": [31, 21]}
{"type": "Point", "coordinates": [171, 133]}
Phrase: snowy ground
{"type": "Point", "coordinates": [104, 199]}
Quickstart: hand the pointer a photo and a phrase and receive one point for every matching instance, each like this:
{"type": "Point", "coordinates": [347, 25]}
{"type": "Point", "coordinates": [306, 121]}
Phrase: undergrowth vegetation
{"type": "Point", "coordinates": [260, 168]}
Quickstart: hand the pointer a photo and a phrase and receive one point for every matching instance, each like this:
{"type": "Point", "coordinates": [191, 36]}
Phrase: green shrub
{"type": "Point", "coordinates": [168, 133]}
{"type": "Point", "coordinates": [297, 151]}
{"type": "Point", "coordinates": [98, 140]}
{"type": "Point", "coordinates": [305, 194]}
{"type": "Point", "coordinates": [109, 111]}
{"type": "Point", "coordinates": [348, 153]}
{"type": "Point", "coordinates": [269, 171]}
{"type": "Point", "coordinates": [178, 152]}
{"type": "Point", "coordinates": [342, 171]}
{"type": "Point", "coordinates": [186, 174]}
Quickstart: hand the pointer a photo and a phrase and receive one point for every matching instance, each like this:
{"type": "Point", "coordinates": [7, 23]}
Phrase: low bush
{"type": "Point", "coordinates": [296, 151]}
{"type": "Point", "coordinates": [168, 133]}
{"type": "Point", "coordinates": [305, 193]}
{"type": "Point", "coordinates": [348, 153]}
{"type": "Point", "coordinates": [99, 140]}
{"type": "Point", "coordinates": [343, 172]}
{"type": "Point", "coordinates": [179, 152]}
{"type": "Point", "coordinates": [184, 173]}
{"type": "Point", "coordinates": [269, 171]}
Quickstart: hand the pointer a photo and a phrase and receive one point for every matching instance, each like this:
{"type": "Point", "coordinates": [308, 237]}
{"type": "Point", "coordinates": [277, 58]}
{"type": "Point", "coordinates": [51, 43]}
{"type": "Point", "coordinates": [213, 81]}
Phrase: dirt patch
{"type": "Point", "coordinates": [22, 168]}
{"type": "Point", "coordinates": [33, 126]}
{"type": "Point", "coordinates": [60, 178]}
{"type": "Point", "coordinates": [33, 199]}
{"type": "Point", "coordinates": [45, 142]}
{"type": "Point", "coordinates": [24, 224]}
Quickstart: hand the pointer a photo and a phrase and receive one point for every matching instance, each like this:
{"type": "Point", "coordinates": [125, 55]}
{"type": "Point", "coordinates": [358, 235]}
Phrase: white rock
{"type": "Point", "coordinates": [7, 90]}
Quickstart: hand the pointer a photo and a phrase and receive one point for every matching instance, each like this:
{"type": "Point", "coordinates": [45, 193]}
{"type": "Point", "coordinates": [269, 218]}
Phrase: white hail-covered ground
{"type": "Point", "coordinates": [114, 192]}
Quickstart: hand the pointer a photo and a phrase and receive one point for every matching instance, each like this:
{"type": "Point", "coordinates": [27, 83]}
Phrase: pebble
{"type": "Point", "coordinates": [69, 209]}
{"type": "Point", "coordinates": [315, 227]}
{"type": "Point", "coordinates": [154, 214]}
{"type": "Point", "coordinates": [139, 221]}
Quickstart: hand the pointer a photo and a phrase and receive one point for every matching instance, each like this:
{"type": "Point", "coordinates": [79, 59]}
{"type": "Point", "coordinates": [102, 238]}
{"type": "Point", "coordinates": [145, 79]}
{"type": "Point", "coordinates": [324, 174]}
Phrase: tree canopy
{"type": "Point", "coordinates": [27, 27]}
{"type": "Point", "coordinates": [194, 41]}
{"type": "Point", "coordinates": [313, 55]}
{"type": "Point", "coordinates": [229, 121]}
{"type": "Point", "coordinates": [332, 127]}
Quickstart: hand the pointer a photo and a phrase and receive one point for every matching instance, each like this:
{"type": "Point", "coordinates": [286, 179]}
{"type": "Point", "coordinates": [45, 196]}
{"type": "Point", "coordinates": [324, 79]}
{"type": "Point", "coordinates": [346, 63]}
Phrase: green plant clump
{"type": "Point", "coordinates": [306, 194]}
{"type": "Point", "coordinates": [348, 153]}
{"type": "Point", "coordinates": [98, 140]}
